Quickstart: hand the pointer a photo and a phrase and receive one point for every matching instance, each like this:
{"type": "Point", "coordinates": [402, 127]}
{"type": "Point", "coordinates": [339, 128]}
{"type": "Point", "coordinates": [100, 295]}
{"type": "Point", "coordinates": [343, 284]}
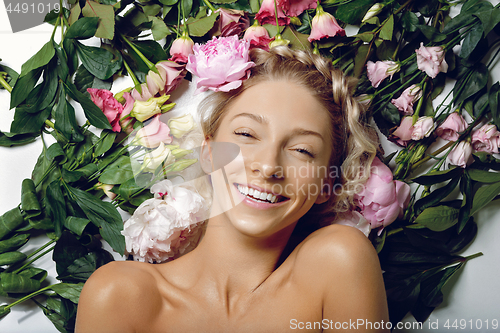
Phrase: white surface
{"type": "Point", "coordinates": [475, 293]}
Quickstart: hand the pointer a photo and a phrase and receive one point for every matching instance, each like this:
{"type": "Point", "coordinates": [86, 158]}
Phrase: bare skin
{"type": "Point", "coordinates": [231, 282]}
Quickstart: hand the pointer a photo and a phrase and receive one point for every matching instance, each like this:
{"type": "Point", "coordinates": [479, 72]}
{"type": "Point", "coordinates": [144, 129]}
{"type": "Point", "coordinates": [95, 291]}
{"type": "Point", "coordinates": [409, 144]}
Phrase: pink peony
{"type": "Point", "coordinates": [167, 226]}
{"type": "Point", "coordinates": [232, 22]}
{"type": "Point", "coordinates": [408, 97]}
{"type": "Point", "coordinates": [403, 133]}
{"type": "Point", "coordinates": [383, 199]}
{"type": "Point", "coordinates": [460, 154]}
{"type": "Point", "coordinates": [296, 7]}
{"type": "Point", "coordinates": [486, 139]}
{"type": "Point", "coordinates": [266, 14]}
{"type": "Point", "coordinates": [431, 60]}
{"type": "Point", "coordinates": [324, 25]}
{"type": "Point", "coordinates": [111, 108]}
{"type": "Point", "coordinates": [451, 127]}
{"type": "Point", "coordinates": [422, 128]}
{"type": "Point", "coordinates": [181, 48]}
{"type": "Point", "coordinates": [378, 71]}
{"type": "Point", "coordinates": [258, 37]}
{"type": "Point", "coordinates": [153, 133]}
{"type": "Point", "coordinates": [356, 220]}
{"type": "Point", "coordinates": [221, 64]}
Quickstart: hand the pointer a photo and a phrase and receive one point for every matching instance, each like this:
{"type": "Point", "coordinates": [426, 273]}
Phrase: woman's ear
{"type": "Point", "coordinates": [206, 156]}
{"type": "Point", "coordinates": [326, 192]}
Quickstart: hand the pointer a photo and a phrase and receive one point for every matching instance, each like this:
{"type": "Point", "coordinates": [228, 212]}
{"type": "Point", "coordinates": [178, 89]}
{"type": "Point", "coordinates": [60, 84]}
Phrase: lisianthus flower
{"type": "Point", "coordinates": [155, 158]}
{"type": "Point", "coordinates": [378, 71]}
{"type": "Point", "coordinates": [451, 127]}
{"type": "Point", "coordinates": [266, 14]}
{"type": "Point", "coordinates": [324, 25]}
{"type": "Point", "coordinates": [486, 139]}
{"type": "Point", "coordinates": [409, 96]}
{"type": "Point", "coordinates": [166, 226]}
{"type": "Point", "coordinates": [126, 122]}
{"type": "Point", "coordinates": [144, 110]}
{"type": "Point", "coordinates": [232, 22]}
{"type": "Point", "coordinates": [258, 36]}
{"type": "Point", "coordinates": [181, 48]}
{"type": "Point", "coordinates": [106, 188]}
{"type": "Point", "coordinates": [422, 128]}
{"type": "Point", "coordinates": [460, 154]}
{"type": "Point", "coordinates": [111, 108]}
{"type": "Point", "coordinates": [372, 12]}
{"type": "Point", "coordinates": [403, 133]}
{"type": "Point", "coordinates": [153, 133]}
{"type": "Point", "coordinates": [181, 125]}
{"type": "Point", "coordinates": [144, 95]}
{"type": "Point", "coordinates": [355, 219]}
{"type": "Point", "coordinates": [169, 76]}
{"type": "Point", "coordinates": [296, 7]}
{"type": "Point", "coordinates": [431, 60]}
{"type": "Point", "coordinates": [221, 64]}
{"type": "Point", "coordinates": [383, 199]}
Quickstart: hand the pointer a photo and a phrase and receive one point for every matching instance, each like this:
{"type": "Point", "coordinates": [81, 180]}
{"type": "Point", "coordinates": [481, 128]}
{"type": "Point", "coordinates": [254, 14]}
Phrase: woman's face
{"type": "Point", "coordinates": [283, 133]}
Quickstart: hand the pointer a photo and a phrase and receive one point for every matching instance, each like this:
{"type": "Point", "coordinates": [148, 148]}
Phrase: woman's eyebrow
{"type": "Point", "coordinates": [258, 118]}
{"type": "Point", "coordinates": [303, 131]}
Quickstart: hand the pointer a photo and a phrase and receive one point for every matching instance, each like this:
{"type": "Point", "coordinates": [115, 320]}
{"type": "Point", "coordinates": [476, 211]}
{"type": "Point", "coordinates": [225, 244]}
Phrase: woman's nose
{"type": "Point", "coordinates": [266, 164]}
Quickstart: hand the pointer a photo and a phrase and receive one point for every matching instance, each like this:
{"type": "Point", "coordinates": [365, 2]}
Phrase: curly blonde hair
{"type": "Point", "coordinates": [358, 142]}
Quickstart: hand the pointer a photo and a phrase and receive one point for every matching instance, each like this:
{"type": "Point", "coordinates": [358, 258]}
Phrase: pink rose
{"type": "Point", "coordinates": [221, 64]}
{"type": "Point", "coordinates": [460, 154]}
{"type": "Point", "coordinates": [451, 127]}
{"type": "Point", "coordinates": [403, 133]}
{"type": "Point", "coordinates": [296, 7]}
{"type": "Point", "coordinates": [486, 139]}
{"type": "Point", "coordinates": [383, 199]}
{"type": "Point", "coordinates": [431, 60]}
{"type": "Point", "coordinates": [111, 108]}
{"type": "Point", "coordinates": [356, 220]}
{"type": "Point", "coordinates": [181, 48]}
{"type": "Point", "coordinates": [232, 22]}
{"type": "Point", "coordinates": [266, 14]}
{"type": "Point", "coordinates": [153, 133]}
{"type": "Point", "coordinates": [409, 96]}
{"type": "Point", "coordinates": [422, 128]}
{"type": "Point", "coordinates": [258, 37]}
{"type": "Point", "coordinates": [378, 71]}
{"type": "Point", "coordinates": [324, 25]}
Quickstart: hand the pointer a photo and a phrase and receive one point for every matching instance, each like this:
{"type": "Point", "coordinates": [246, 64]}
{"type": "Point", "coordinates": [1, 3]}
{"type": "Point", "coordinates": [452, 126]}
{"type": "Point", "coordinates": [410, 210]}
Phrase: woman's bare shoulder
{"type": "Point", "coordinates": [117, 297]}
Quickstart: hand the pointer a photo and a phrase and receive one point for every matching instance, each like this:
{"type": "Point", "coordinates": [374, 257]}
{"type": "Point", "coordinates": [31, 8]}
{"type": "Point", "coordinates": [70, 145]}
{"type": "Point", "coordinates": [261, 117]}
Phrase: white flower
{"type": "Point", "coordinates": [155, 158]}
{"type": "Point", "coordinates": [163, 229]}
{"type": "Point", "coordinates": [179, 126]}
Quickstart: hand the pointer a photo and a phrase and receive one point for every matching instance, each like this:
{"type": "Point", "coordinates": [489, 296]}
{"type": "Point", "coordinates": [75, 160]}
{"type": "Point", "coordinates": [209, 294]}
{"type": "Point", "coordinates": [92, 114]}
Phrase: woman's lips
{"type": "Point", "coordinates": [259, 197]}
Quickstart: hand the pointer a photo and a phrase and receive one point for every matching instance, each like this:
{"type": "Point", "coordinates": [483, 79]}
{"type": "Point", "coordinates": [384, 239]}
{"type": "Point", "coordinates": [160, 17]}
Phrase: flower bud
{"type": "Point", "coordinates": [106, 188]}
{"type": "Point", "coordinates": [181, 125]}
{"type": "Point", "coordinates": [145, 110]}
{"type": "Point", "coordinates": [181, 48]}
{"type": "Point", "coordinates": [418, 153]}
{"type": "Point", "coordinates": [373, 11]}
{"type": "Point", "coordinates": [279, 41]}
{"type": "Point", "coordinates": [153, 159]}
{"type": "Point", "coordinates": [295, 21]}
{"type": "Point", "coordinates": [182, 164]}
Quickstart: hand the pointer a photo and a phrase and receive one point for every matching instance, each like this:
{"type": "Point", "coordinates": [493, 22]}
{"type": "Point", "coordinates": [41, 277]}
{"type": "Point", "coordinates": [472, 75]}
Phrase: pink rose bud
{"type": "Point", "coordinates": [296, 7]}
{"type": "Point", "coordinates": [153, 133]}
{"type": "Point", "coordinates": [409, 96]}
{"type": "Point", "coordinates": [266, 14]}
{"type": "Point", "coordinates": [258, 36]}
{"type": "Point", "coordinates": [422, 128]}
{"type": "Point", "coordinates": [324, 25]}
{"type": "Point", "coordinates": [378, 71]}
{"type": "Point", "coordinates": [232, 22]}
{"type": "Point", "coordinates": [486, 139]}
{"type": "Point", "coordinates": [431, 60]}
{"type": "Point", "coordinates": [383, 199]}
{"type": "Point", "coordinates": [221, 64]}
{"type": "Point", "coordinates": [451, 127]}
{"type": "Point", "coordinates": [460, 154]}
{"type": "Point", "coordinates": [403, 133]}
{"type": "Point", "coordinates": [111, 108]}
{"type": "Point", "coordinates": [181, 48]}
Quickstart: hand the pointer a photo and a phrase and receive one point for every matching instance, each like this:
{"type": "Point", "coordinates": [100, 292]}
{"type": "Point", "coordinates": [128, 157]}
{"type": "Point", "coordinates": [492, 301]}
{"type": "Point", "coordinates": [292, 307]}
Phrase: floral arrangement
{"type": "Point", "coordinates": [125, 157]}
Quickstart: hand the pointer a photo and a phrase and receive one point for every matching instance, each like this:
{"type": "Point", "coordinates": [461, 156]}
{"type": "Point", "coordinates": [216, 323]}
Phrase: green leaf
{"type": "Point", "coordinates": [56, 206]}
{"type": "Point", "coordinates": [9, 258]}
{"type": "Point", "coordinates": [98, 61]}
{"type": "Point", "coordinates": [431, 33]}
{"type": "Point", "coordinates": [430, 292]}
{"type": "Point", "coordinates": [483, 196]}
{"type": "Point", "coordinates": [298, 41]}
{"type": "Point", "coordinates": [484, 176]}
{"type": "Point", "coordinates": [9, 221]}
{"type": "Point", "coordinates": [475, 80]}
{"type": "Point", "coordinates": [83, 79]}
{"type": "Point", "coordinates": [106, 15]}
{"type": "Point", "coordinates": [23, 87]}
{"type": "Point", "coordinates": [11, 139]}
{"type": "Point", "coordinates": [438, 218]}
{"type": "Point", "coordinates": [61, 63]}
{"type": "Point", "coordinates": [489, 19]}
{"type": "Point", "coordinates": [471, 40]}
{"type": "Point", "coordinates": [118, 172]}
{"type": "Point", "coordinates": [102, 214]}
{"type": "Point", "coordinates": [458, 22]}
{"type": "Point", "coordinates": [105, 143]}
{"type": "Point", "coordinates": [13, 242]}
{"type": "Point", "coordinates": [43, 95]}
{"type": "Point", "coordinates": [387, 29]}
{"type": "Point", "coordinates": [82, 267]}
{"type": "Point", "coordinates": [223, 1]}
{"type": "Point", "coordinates": [55, 152]}
{"type": "Point", "coordinates": [360, 58]}
{"type": "Point", "coordinates": [76, 224]}
{"type": "Point", "coordinates": [187, 5]}
{"type": "Point", "coordinates": [168, 2]}
{"type": "Point", "coordinates": [29, 200]}
{"type": "Point", "coordinates": [199, 26]}
{"type": "Point", "coordinates": [69, 291]}
{"type": "Point", "coordinates": [12, 75]}
{"type": "Point", "coordinates": [159, 28]}
{"type": "Point", "coordinates": [95, 116]}
{"type": "Point", "coordinates": [494, 101]}
{"type": "Point", "coordinates": [409, 21]}
{"type": "Point", "coordinates": [436, 177]}
{"type": "Point", "coordinates": [466, 190]}
{"type": "Point", "coordinates": [40, 59]}
{"type": "Point", "coordinates": [4, 310]}
{"type": "Point", "coordinates": [69, 48]}
{"type": "Point", "coordinates": [83, 28]}
{"type": "Point", "coordinates": [353, 12]}
{"type": "Point", "coordinates": [17, 283]}
{"type": "Point", "coordinates": [65, 119]}
{"type": "Point", "coordinates": [435, 196]}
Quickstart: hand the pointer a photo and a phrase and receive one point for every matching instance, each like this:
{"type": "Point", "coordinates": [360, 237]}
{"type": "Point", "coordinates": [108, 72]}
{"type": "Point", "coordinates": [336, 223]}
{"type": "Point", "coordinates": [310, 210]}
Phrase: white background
{"type": "Point", "coordinates": [473, 294]}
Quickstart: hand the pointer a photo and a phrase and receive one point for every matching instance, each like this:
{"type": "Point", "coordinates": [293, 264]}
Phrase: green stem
{"type": "Point", "coordinates": [55, 27]}
{"type": "Point", "coordinates": [394, 231]}
{"type": "Point", "coordinates": [472, 256]}
{"type": "Point", "coordinates": [428, 157]}
{"type": "Point", "coordinates": [278, 34]}
{"type": "Point", "coordinates": [148, 63]}
{"type": "Point", "coordinates": [33, 294]}
{"type": "Point", "coordinates": [420, 103]}
{"type": "Point", "coordinates": [5, 84]}
{"type": "Point", "coordinates": [49, 124]}
{"type": "Point", "coordinates": [137, 84]}
{"type": "Point", "coordinates": [52, 241]}
{"type": "Point", "coordinates": [209, 5]}
{"type": "Point", "coordinates": [33, 260]}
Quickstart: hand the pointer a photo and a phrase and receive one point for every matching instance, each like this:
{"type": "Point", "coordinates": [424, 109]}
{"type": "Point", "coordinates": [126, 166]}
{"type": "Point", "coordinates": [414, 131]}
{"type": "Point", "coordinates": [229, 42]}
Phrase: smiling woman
{"type": "Point", "coordinates": [293, 116]}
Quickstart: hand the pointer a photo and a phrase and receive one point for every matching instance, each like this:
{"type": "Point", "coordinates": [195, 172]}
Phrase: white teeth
{"type": "Point", "coordinates": [257, 194]}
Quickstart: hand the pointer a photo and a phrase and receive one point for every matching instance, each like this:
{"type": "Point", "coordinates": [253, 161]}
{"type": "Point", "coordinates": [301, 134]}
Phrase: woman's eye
{"type": "Point", "coordinates": [245, 134]}
{"type": "Point", "coordinates": [305, 152]}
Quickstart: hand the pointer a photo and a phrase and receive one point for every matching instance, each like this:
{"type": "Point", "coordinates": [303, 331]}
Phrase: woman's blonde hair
{"type": "Point", "coordinates": [354, 142]}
